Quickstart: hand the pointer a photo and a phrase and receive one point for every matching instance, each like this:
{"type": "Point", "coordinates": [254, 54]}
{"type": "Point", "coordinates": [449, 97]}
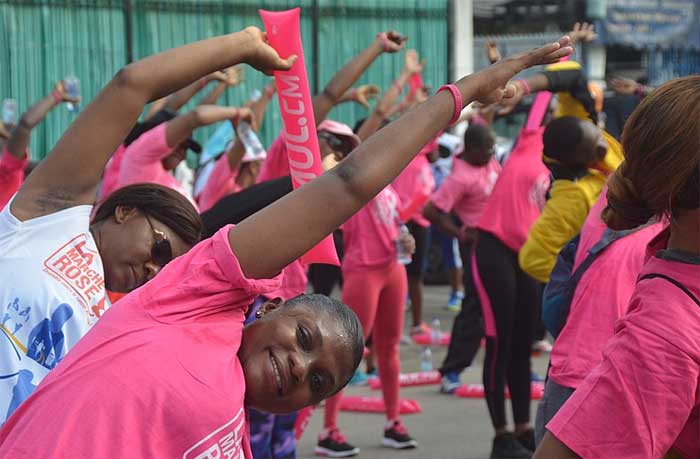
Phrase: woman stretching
{"type": "Point", "coordinates": [176, 348]}
{"type": "Point", "coordinates": [642, 400]}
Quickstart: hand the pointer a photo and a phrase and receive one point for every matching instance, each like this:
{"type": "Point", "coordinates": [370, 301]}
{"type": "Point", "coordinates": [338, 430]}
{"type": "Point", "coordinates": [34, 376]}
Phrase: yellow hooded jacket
{"type": "Point", "coordinates": [570, 201]}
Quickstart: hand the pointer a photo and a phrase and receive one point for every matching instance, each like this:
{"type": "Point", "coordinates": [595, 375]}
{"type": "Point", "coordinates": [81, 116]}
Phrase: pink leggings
{"type": "Point", "coordinates": [377, 296]}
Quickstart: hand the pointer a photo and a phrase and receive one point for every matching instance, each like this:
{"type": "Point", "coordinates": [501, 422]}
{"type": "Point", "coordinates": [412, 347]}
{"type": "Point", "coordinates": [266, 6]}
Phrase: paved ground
{"type": "Point", "coordinates": [449, 427]}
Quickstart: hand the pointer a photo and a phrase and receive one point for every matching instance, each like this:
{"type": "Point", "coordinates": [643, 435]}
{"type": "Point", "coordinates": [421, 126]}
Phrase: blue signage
{"type": "Point", "coordinates": [651, 23]}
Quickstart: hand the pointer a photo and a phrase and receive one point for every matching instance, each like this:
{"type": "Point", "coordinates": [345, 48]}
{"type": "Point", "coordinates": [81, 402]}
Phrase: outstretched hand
{"type": "Point", "coordinates": [583, 32]}
{"type": "Point", "coordinates": [231, 76]}
{"type": "Point", "coordinates": [262, 56]}
{"type": "Point", "coordinates": [411, 62]}
{"type": "Point", "coordinates": [624, 86]}
{"type": "Point", "coordinates": [365, 93]}
{"type": "Point", "coordinates": [494, 80]}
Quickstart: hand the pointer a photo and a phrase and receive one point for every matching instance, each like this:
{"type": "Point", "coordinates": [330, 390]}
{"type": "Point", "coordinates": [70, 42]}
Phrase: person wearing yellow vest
{"type": "Point", "coordinates": [580, 156]}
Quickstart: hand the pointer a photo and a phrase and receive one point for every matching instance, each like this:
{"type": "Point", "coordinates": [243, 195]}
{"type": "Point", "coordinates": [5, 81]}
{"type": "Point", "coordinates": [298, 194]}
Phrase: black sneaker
{"type": "Point", "coordinates": [397, 437]}
{"type": "Point", "coordinates": [333, 444]}
{"type": "Point", "coordinates": [507, 446]}
{"type": "Point", "coordinates": [527, 439]}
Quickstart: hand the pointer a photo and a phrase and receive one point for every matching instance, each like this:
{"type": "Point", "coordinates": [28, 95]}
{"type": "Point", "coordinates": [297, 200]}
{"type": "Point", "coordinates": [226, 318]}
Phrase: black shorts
{"type": "Point", "coordinates": [419, 263]}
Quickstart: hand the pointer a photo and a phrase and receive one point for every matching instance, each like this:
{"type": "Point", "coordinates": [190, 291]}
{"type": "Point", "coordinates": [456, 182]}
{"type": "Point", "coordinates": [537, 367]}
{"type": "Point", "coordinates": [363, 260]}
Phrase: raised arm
{"type": "Point", "coordinates": [282, 232]}
{"type": "Point", "coordinates": [181, 127]}
{"type": "Point", "coordinates": [259, 106]}
{"type": "Point", "coordinates": [389, 42]}
{"type": "Point", "coordinates": [70, 173]}
{"type": "Point", "coordinates": [412, 65]}
{"type": "Point", "coordinates": [18, 140]}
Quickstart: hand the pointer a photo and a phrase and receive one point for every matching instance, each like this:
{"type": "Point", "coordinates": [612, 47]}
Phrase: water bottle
{"type": "Point", "coordinates": [72, 86]}
{"type": "Point", "coordinates": [9, 112]}
{"type": "Point", "coordinates": [255, 95]}
{"type": "Point", "coordinates": [403, 256]}
{"type": "Point", "coordinates": [426, 359]}
{"type": "Point", "coordinates": [253, 147]}
{"type": "Point", "coordinates": [435, 334]}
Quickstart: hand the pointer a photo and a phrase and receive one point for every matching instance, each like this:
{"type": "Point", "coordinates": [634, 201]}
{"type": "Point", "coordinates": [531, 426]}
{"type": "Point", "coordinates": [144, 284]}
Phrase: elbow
{"type": "Point", "coordinates": [348, 172]}
{"type": "Point", "coordinates": [129, 80]}
{"type": "Point", "coordinates": [126, 77]}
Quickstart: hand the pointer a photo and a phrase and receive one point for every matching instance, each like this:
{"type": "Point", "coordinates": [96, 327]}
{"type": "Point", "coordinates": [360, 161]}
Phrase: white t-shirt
{"type": "Point", "coordinates": [52, 290]}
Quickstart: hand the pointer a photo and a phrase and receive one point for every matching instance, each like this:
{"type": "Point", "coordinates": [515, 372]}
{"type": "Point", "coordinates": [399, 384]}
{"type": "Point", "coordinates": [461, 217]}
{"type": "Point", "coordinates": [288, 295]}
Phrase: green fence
{"type": "Point", "coordinates": [42, 41]}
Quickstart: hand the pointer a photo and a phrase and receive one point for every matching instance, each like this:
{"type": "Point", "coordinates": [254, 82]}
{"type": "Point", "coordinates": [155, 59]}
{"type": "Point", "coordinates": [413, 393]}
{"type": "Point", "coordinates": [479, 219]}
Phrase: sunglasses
{"type": "Point", "coordinates": [161, 251]}
{"type": "Point", "coordinates": [338, 144]}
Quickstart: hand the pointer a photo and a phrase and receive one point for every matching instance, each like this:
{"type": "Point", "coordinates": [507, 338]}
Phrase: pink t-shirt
{"type": "Point", "coordinates": [466, 190]}
{"type": "Point", "coordinates": [157, 376]}
{"type": "Point", "coordinates": [110, 177]}
{"type": "Point", "coordinates": [11, 175]}
{"type": "Point", "coordinates": [369, 237]}
{"type": "Point", "coordinates": [601, 298]}
{"type": "Point", "coordinates": [276, 163]}
{"type": "Point", "coordinates": [416, 182]}
{"type": "Point", "coordinates": [141, 162]}
{"type": "Point", "coordinates": [221, 182]}
{"type": "Point", "coordinates": [519, 194]}
{"type": "Point", "coordinates": [644, 397]}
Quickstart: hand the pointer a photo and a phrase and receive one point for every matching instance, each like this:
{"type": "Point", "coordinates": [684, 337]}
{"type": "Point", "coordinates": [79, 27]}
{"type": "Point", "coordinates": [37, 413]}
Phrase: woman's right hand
{"type": "Point", "coordinates": [262, 56]}
{"type": "Point", "coordinates": [492, 82]}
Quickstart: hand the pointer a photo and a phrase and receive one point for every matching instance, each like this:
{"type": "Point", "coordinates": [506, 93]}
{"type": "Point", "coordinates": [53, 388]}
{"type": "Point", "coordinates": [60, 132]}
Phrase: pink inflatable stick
{"type": "Point", "coordinates": [284, 35]}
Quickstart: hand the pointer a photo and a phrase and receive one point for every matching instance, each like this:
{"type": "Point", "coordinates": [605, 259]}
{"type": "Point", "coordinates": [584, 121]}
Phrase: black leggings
{"type": "Point", "coordinates": [509, 301]}
{"type": "Point", "coordinates": [468, 328]}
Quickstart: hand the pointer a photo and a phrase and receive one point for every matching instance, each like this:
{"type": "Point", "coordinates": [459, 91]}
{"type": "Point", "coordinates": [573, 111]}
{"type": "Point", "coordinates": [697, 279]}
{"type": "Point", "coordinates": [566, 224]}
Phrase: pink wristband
{"type": "Point", "coordinates": [526, 87]}
{"type": "Point", "coordinates": [57, 96]}
{"type": "Point", "coordinates": [458, 101]}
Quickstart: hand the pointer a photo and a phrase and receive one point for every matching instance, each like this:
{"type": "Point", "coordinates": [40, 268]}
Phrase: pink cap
{"type": "Point", "coordinates": [341, 130]}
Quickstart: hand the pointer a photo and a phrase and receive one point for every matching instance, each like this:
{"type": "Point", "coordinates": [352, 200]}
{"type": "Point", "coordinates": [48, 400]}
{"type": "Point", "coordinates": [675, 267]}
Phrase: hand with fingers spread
{"type": "Point", "coordinates": [494, 80]}
{"type": "Point", "coordinates": [363, 94]}
{"type": "Point", "coordinates": [263, 57]}
{"type": "Point", "coordinates": [391, 41]}
{"type": "Point", "coordinates": [411, 63]}
{"type": "Point", "coordinates": [492, 52]}
{"type": "Point", "coordinates": [583, 32]}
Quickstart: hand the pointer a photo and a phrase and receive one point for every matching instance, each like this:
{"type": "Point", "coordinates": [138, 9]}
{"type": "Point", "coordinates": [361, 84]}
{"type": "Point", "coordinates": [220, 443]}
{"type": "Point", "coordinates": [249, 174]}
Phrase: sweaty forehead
{"type": "Point", "coordinates": [337, 344]}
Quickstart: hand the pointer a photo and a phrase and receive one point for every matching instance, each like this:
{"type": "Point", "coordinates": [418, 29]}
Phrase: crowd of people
{"type": "Point", "coordinates": [148, 311]}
